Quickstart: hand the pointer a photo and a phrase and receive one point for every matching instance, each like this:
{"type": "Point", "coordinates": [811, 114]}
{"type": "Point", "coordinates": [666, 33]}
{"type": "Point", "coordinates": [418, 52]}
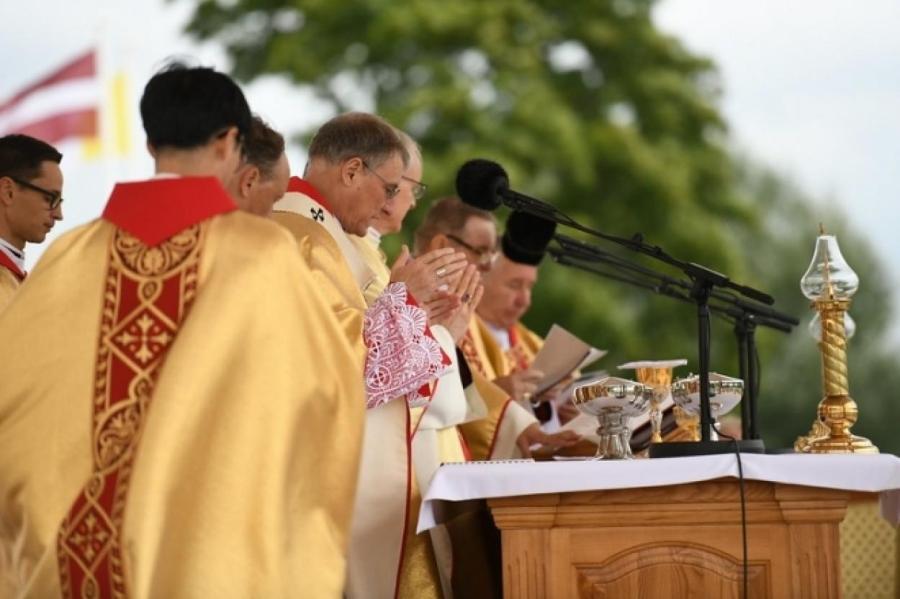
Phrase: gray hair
{"type": "Point", "coordinates": [357, 134]}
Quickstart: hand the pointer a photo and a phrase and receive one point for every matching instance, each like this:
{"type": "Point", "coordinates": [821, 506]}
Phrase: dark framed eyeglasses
{"type": "Point", "coordinates": [418, 188]}
{"type": "Point", "coordinates": [53, 199]}
{"type": "Point", "coordinates": [390, 189]}
{"type": "Point", "coordinates": [485, 257]}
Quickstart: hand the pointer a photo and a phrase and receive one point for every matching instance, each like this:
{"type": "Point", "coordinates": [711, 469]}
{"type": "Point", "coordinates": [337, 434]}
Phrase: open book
{"type": "Point", "coordinates": [561, 355]}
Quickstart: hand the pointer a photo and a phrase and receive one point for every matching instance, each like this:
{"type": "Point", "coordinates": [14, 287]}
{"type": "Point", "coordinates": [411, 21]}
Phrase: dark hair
{"type": "Point", "coordinates": [262, 146]}
{"type": "Point", "coordinates": [21, 156]}
{"type": "Point", "coordinates": [357, 134]}
{"type": "Point", "coordinates": [448, 216]}
{"type": "Point", "coordinates": [185, 107]}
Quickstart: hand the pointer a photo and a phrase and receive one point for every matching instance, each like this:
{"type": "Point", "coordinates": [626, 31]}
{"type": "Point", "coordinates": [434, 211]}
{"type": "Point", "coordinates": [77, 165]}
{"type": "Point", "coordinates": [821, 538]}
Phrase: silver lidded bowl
{"type": "Point", "coordinates": [725, 393]}
{"type": "Point", "coordinates": [614, 401]}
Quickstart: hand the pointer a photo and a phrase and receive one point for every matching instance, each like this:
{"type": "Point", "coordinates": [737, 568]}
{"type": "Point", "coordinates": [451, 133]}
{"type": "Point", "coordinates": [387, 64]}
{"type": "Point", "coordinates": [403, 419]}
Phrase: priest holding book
{"type": "Point", "coordinates": [497, 334]}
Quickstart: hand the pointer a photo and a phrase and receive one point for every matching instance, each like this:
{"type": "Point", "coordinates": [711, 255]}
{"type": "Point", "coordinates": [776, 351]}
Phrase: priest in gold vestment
{"type": "Point", "coordinates": [498, 334]}
{"type": "Point", "coordinates": [356, 165]}
{"type": "Point", "coordinates": [166, 415]}
{"type": "Point", "coordinates": [30, 203]}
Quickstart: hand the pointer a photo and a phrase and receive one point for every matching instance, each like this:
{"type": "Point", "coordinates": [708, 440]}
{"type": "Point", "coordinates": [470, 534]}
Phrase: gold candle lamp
{"type": "Point", "coordinates": [830, 283]}
{"type": "Point", "coordinates": [656, 374]}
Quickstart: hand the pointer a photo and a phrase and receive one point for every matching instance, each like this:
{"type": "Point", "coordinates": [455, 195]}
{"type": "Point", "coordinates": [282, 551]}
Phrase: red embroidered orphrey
{"type": "Point", "coordinates": [148, 292]}
{"type": "Point", "coordinates": [516, 355]}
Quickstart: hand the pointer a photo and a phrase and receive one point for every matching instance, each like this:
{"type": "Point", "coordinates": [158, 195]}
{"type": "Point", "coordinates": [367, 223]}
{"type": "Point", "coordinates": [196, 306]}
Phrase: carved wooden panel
{"type": "Point", "coordinates": [656, 571]}
{"type": "Point", "coordinates": [681, 541]}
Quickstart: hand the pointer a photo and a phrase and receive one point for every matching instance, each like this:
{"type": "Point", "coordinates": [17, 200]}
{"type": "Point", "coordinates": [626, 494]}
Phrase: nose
{"type": "Point", "coordinates": [57, 213]}
{"type": "Point", "coordinates": [523, 298]}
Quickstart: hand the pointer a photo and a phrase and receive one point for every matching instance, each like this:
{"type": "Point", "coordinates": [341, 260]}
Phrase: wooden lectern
{"type": "Point", "coordinates": [680, 541]}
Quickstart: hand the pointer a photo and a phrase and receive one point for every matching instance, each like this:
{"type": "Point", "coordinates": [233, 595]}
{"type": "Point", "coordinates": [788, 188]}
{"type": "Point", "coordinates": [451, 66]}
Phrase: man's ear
{"type": "Point", "coordinates": [6, 191]}
{"type": "Point", "coordinates": [438, 242]}
{"type": "Point", "coordinates": [351, 169]}
{"type": "Point", "coordinates": [151, 150]}
{"type": "Point", "coordinates": [248, 177]}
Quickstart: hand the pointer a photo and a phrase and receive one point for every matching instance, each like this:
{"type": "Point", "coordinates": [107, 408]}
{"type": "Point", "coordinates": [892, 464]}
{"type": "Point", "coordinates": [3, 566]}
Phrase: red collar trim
{"type": "Point", "coordinates": [513, 336]}
{"type": "Point", "coordinates": [11, 266]}
{"type": "Point", "coordinates": [298, 185]}
{"type": "Point", "coordinates": [157, 209]}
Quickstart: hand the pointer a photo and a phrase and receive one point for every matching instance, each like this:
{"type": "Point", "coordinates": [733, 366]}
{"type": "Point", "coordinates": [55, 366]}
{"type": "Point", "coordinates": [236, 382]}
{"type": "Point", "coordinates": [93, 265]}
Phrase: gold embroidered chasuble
{"type": "Point", "coordinates": [524, 346]}
{"type": "Point", "coordinates": [157, 420]}
{"type": "Point", "coordinates": [494, 437]}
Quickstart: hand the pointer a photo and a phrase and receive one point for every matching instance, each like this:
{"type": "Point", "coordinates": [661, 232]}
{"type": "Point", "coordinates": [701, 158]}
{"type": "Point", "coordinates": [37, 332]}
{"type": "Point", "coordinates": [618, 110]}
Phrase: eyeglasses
{"type": "Point", "coordinates": [418, 188]}
{"type": "Point", "coordinates": [390, 189]}
{"type": "Point", "coordinates": [485, 257]}
{"type": "Point", "coordinates": [53, 199]}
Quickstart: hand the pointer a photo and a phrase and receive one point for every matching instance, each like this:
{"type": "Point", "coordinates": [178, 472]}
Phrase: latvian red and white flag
{"type": "Point", "coordinates": [62, 104]}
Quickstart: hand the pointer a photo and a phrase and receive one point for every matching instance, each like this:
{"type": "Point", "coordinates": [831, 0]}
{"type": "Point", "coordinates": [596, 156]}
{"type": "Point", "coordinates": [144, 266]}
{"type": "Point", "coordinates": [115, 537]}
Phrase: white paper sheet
{"type": "Point", "coordinates": [562, 354]}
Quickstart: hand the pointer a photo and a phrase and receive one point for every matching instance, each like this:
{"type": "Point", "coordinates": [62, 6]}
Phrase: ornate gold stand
{"type": "Point", "coordinates": [660, 379]}
{"type": "Point", "coordinates": [688, 425]}
{"type": "Point", "coordinates": [837, 411]}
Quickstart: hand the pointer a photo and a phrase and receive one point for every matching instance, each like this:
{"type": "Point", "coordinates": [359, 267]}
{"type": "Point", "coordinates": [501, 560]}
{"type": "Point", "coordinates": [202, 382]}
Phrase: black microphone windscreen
{"type": "Point", "coordinates": [526, 237]}
{"type": "Point", "coordinates": [478, 182]}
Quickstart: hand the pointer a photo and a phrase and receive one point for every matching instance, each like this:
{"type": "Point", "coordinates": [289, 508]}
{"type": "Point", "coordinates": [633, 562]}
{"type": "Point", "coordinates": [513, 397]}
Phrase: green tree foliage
{"type": "Point", "coordinates": [584, 103]}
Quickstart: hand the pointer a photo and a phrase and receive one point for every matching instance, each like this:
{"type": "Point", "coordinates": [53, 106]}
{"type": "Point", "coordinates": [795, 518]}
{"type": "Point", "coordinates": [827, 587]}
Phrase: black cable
{"type": "Point", "coordinates": [746, 563]}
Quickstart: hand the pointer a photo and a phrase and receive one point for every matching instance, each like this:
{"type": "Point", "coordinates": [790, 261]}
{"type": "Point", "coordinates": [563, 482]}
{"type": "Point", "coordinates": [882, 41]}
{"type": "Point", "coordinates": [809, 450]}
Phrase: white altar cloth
{"type": "Point", "coordinates": [484, 480]}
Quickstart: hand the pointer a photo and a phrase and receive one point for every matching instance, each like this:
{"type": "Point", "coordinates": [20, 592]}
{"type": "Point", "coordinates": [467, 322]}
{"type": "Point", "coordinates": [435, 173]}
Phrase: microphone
{"type": "Point", "coordinates": [478, 183]}
{"type": "Point", "coordinates": [526, 237]}
{"type": "Point", "coordinates": [484, 184]}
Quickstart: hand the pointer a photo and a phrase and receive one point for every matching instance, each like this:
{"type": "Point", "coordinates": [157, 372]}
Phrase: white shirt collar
{"type": "Point", "coordinates": [14, 253]}
{"type": "Point", "coordinates": [374, 236]}
{"type": "Point", "coordinates": [500, 334]}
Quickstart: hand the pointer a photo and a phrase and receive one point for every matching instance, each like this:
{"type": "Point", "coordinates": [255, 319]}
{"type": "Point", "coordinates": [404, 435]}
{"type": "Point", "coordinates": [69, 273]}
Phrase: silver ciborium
{"type": "Point", "coordinates": [724, 393]}
{"type": "Point", "coordinates": [614, 401]}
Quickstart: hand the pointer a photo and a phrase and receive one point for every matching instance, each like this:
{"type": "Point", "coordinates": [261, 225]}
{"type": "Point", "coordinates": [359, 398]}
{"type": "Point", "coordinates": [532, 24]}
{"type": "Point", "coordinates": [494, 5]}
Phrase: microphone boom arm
{"type": "Point", "coordinates": [523, 203]}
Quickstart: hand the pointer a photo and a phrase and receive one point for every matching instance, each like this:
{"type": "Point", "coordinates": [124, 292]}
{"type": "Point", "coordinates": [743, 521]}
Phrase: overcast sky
{"type": "Point", "coordinates": [812, 88]}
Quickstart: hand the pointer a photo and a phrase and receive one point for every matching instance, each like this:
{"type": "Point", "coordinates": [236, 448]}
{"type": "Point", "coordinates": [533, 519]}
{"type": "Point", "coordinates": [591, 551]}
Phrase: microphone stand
{"type": "Point", "coordinates": [745, 324]}
{"type": "Point", "coordinates": [745, 315]}
{"type": "Point", "coordinates": [741, 330]}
